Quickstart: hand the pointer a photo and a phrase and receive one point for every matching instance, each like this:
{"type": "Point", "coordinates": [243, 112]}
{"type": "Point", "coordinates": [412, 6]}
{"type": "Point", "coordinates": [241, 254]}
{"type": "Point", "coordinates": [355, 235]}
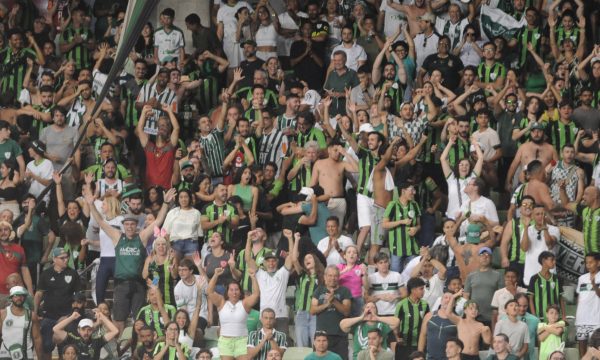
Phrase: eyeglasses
{"type": "Point", "coordinates": [488, 49]}
{"type": "Point", "coordinates": [510, 102]}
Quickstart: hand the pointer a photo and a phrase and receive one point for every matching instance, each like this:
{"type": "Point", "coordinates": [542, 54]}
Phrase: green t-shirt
{"type": "Point", "coordinates": [129, 258]}
{"type": "Point", "coordinates": [329, 356]}
{"type": "Point", "coordinates": [329, 320]}
{"type": "Point", "coordinates": [9, 150]}
{"type": "Point", "coordinates": [360, 339]}
{"type": "Point", "coordinates": [171, 354]}
{"type": "Point", "coordinates": [153, 319]}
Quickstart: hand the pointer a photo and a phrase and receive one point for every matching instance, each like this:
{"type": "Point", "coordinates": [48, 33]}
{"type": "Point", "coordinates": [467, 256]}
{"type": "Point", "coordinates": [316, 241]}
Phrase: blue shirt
{"type": "Point", "coordinates": [317, 231]}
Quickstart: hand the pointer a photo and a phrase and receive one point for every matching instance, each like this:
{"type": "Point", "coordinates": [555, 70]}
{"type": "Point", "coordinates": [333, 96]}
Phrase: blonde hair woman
{"type": "Point", "coordinates": [111, 211]}
{"type": "Point", "coordinates": [160, 267]}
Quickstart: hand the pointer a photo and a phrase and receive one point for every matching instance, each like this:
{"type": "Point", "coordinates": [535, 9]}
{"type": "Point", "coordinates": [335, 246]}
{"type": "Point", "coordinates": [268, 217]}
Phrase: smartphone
{"type": "Point", "coordinates": [155, 281]}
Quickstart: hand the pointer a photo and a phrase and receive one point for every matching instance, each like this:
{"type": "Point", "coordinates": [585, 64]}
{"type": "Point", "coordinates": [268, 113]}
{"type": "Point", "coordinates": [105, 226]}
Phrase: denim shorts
{"type": "Point", "coordinates": [185, 247]}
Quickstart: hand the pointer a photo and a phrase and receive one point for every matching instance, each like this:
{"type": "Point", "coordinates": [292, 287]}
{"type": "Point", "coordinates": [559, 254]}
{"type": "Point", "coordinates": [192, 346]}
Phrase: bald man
{"type": "Point", "coordinates": [589, 210]}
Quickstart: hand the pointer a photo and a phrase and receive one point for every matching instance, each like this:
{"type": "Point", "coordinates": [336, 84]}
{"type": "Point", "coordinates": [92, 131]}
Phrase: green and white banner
{"type": "Point", "coordinates": [495, 22]}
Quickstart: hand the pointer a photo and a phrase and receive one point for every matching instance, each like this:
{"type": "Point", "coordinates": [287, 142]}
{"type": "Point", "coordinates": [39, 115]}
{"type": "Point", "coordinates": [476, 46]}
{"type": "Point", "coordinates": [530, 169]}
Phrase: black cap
{"type": "Point", "coordinates": [270, 255]}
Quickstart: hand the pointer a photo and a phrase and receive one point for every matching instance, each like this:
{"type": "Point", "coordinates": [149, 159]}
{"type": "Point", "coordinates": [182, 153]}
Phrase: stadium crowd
{"type": "Point", "coordinates": [372, 179]}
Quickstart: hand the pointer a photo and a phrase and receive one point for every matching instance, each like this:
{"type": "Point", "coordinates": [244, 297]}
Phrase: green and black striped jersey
{"type": "Point", "coordinates": [515, 253]}
{"type": "Point", "coordinates": [366, 164]}
{"type": "Point", "coordinates": [153, 319]}
{"type": "Point", "coordinates": [401, 243]}
{"type": "Point", "coordinates": [213, 146]}
{"type": "Point", "coordinates": [302, 178]}
{"type": "Point", "coordinates": [80, 53]}
{"type": "Point", "coordinates": [208, 92]}
{"type": "Point", "coordinates": [489, 74]}
{"type": "Point", "coordinates": [129, 94]}
{"type": "Point", "coordinates": [13, 66]}
{"type": "Point", "coordinates": [591, 227]}
{"type": "Point", "coordinates": [411, 317]}
{"type": "Point", "coordinates": [561, 134]}
{"type": "Point", "coordinates": [241, 265]}
{"type": "Point", "coordinates": [545, 293]}
{"type": "Point", "coordinates": [212, 212]}
{"type": "Point", "coordinates": [305, 288]}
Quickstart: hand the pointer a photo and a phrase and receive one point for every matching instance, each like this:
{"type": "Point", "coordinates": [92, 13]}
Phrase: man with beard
{"type": "Point", "coordinates": [567, 171]}
{"type": "Point", "coordinates": [286, 122]}
{"type": "Point", "coordinates": [355, 54]}
{"type": "Point", "coordinates": [395, 89]}
{"type": "Point", "coordinates": [133, 204]}
{"type": "Point", "coordinates": [20, 328]}
{"type": "Point", "coordinates": [160, 155]}
{"type": "Point", "coordinates": [88, 346]}
{"type": "Point", "coordinates": [273, 143]}
{"type": "Point", "coordinates": [81, 103]}
{"type": "Point", "coordinates": [157, 96]}
{"type": "Point", "coordinates": [329, 174]}
{"type": "Point", "coordinates": [536, 149]}
{"type": "Point", "coordinates": [252, 62]}
{"type": "Point", "coordinates": [320, 29]}
{"type": "Point", "coordinates": [109, 184]}
{"type": "Point", "coordinates": [130, 91]}
{"type": "Point", "coordinates": [145, 351]}
{"type": "Point", "coordinates": [107, 151]}
{"type": "Point", "coordinates": [585, 116]}
{"type": "Point", "coordinates": [60, 141]}
{"type": "Point", "coordinates": [186, 180]}
{"type": "Point", "coordinates": [40, 112]}
{"type": "Point", "coordinates": [14, 63]}
{"type": "Point", "coordinates": [130, 253]}
{"type": "Point", "coordinates": [56, 288]}
{"type": "Point", "coordinates": [448, 64]}
{"type": "Point", "coordinates": [219, 216]}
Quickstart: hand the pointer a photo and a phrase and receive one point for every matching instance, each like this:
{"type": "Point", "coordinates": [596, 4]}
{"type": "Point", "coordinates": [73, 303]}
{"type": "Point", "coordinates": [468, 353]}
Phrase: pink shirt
{"type": "Point", "coordinates": [352, 279]}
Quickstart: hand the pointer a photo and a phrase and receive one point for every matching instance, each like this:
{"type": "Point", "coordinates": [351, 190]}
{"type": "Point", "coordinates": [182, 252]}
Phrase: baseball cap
{"type": "Point", "coordinates": [56, 252]}
{"type": "Point", "coordinates": [427, 17]}
{"type": "Point", "coordinates": [477, 97]}
{"type": "Point", "coordinates": [311, 98]}
{"type": "Point", "coordinates": [130, 189]}
{"type": "Point", "coordinates": [248, 42]}
{"type": "Point", "coordinates": [594, 59]}
{"type": "Point", "coordinates": [537, 126]}
{"type": "Point", "coordinates": [485, 249]}
{"type": "Point", "coordinates": [38, 146]}
{"type": "Point", "coordinates": [18, 290]}
{"type": "Point", "coordinates": [186, 164]}
{"type": "Point", "coordinates": [308, 192]}
{"type": "Point", "coordinates": [270, 255]}
{"type": "Point", "coordinates": [85, 323]}
{"type": "Point", "coordinates": [473, 233]}
{"type": "Point", "coordinates": [130, 217]}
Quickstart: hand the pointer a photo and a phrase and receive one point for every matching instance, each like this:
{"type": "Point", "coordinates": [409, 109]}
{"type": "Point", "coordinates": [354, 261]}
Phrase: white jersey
{"type": "Point", "coordinates": [588, 303]}
{"type": "Point", "coordinates": [168, 43]}
{"type": "Point", "coordinates": [14, 329]}
{"type": "Point", "coordinates": [390, 284]}
{"type": "Point", "coordinates": [186, 297]}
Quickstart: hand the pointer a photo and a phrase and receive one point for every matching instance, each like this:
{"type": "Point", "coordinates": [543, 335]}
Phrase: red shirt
{"type": "Point", "coordinates": [12, 258]}
{"type": "Point", "coordinates": [159, 164]}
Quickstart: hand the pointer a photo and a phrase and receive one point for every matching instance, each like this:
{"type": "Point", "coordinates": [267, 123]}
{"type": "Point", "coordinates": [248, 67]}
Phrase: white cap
{"type": "Point", "coordinates": [366, 127]}
{"type": "Point", "coordinates": [86, 323]}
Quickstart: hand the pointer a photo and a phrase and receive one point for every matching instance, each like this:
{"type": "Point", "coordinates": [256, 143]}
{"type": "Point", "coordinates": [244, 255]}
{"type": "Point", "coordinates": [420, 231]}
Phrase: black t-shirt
{"type": "Point", "coordinates": [248, 68]}
{"type": "Point", "coordinates": [87, 350]}
{"type": "Point", "coordinates": [141, 351]}
{"type": "Point", "coordinates": [307, 68]}
{"type": "Point", "coordinates": [449, 67]}
{"type": "Point", "coordinates": [58, 290]}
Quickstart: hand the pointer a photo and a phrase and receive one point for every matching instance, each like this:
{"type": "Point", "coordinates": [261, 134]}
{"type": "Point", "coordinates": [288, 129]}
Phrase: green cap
{"type": "Point", "coordinates": [473, 233]}
{"type": "Point", "coordinates": [130, 189]}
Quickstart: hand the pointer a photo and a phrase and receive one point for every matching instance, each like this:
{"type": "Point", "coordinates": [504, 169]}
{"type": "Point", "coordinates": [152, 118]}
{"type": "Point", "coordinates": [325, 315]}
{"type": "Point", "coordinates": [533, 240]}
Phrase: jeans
{"type": "Point", "coordinates": [106, 270]}
{"type": "Point", "coordinates": [399, 262]}
{"type": "Point", "coordinates": [305, 327]}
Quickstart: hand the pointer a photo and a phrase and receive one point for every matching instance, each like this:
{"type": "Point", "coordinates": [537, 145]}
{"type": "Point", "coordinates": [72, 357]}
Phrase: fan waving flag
{"type": "Point", "coordinates": [495, 22]}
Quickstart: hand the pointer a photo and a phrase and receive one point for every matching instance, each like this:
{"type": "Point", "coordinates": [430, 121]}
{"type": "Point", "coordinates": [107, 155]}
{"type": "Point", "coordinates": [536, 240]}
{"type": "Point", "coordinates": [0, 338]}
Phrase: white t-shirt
{"type": "Point", "coordinates": [434, 289]}
{"type": "Point", "coordinates": [489, 142]}
{"type": "Point", "coordinates": [273, 287]}
{"type": "Point", "coordinates": [183, 224]}
{"type": "Point", "coordinates": [393, 18]}
{"type": "Point", "coordinates": [454, 31]}
{"type": "Point", "coordinates": [168, 43]}
{"type": "Point", "coordinates": [187, 295]}
{"type": "Point", "coordinates": [425, 46]}
{"type": "Point", "coordinates": [334, 257]}
{"type": "Point", "coordinates": [284, 44]}
{"type": "Point", "coordinates": [43, 170]}
{"type": "Point", "coordinates": [588, 303]}
{"type": "Point", "coordinates": [456, 194]}
{"type": "Point", "coordinates": [482, 206]}
{"type": "Point", "coordinates": [226, 15]}
{"type": "Point", "coordinates": [502, 296]}
{"type": "Point", "coordinates": [107, 248]}
{"type": "Point", "coordinates": [532, 266]}
{"type": "Point", "coordinates": [390, 284]}
{"type": "Point", "coordinates": [354, 54]}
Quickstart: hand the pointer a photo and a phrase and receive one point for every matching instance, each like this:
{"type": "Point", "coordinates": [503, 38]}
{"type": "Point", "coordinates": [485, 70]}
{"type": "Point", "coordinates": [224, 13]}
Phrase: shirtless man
{"type": "Point", "coordinates": [469, 330]}
{"type": "Point", "coordinates": [466, 254]}
{"type": "Point", "coordinates": [329, 174]}
{"type": "Point", "coordinates": [383, 192]}
{"type": "Point", "coordinates": [536, 149]}
{"type": "Point", "coordinates": [535, 186]}
{"type": "Point", "coordinates": [412, 12]}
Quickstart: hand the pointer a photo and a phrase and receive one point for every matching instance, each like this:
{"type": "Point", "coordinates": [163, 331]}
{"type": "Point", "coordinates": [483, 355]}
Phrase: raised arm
{"type": "Point", "coordinates": [113, 233]}
{"type": "Point", "coordinates": [139, 129]}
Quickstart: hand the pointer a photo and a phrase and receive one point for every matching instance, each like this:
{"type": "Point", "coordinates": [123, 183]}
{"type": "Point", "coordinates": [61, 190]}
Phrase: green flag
{"type": "Point", "coordinates": [495, 22]}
